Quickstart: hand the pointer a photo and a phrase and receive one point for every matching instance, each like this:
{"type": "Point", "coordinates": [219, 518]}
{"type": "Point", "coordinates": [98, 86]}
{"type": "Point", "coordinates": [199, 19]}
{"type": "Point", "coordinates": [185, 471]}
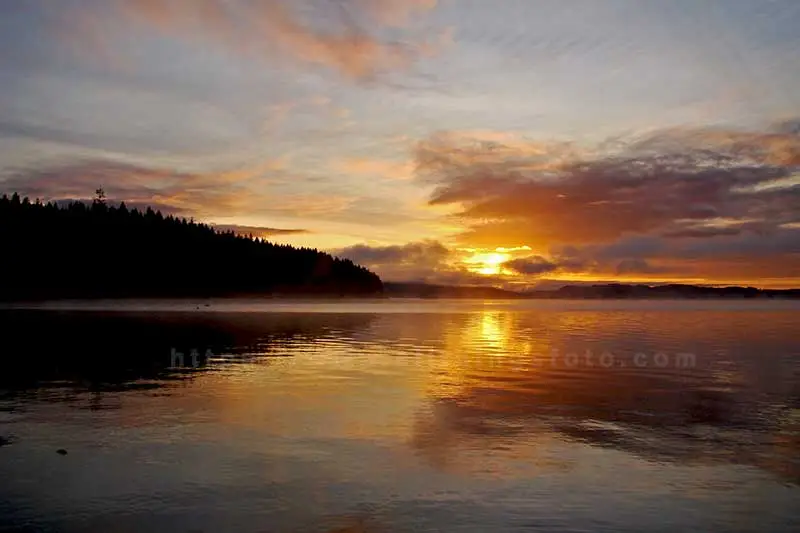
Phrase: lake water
{"type": "Point", "coordinates": [400, 416]}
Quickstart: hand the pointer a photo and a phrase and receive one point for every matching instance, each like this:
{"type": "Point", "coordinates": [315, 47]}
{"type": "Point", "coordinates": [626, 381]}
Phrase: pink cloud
{"type": "Point", "coordinates": [343, 36]}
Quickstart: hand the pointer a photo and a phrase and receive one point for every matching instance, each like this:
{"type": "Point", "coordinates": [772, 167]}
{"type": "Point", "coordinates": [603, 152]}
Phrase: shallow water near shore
{"type": "Point", "coordinates": [409, 415]}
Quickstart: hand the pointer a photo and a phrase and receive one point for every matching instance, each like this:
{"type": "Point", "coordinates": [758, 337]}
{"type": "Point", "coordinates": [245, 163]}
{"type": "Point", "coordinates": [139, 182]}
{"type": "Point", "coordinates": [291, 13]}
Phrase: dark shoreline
{"type": "Point", "coordinates": [611, 291]}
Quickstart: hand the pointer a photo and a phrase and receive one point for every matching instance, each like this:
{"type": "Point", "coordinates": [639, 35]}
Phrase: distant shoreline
{"type": "Point", "coordinates": [609, 291]}
{"type": "Point", "coordinates": [415, 291]}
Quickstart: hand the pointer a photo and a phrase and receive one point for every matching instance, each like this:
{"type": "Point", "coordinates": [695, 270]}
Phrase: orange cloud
{"type": "Point", "coordinates": [684, 204]}
{"type": "Point", "coordinates": [349, 44]}
{"type": "Point", "coordinates": [454, 153]}
{"type": "Point", "coordinates": [539, 194]}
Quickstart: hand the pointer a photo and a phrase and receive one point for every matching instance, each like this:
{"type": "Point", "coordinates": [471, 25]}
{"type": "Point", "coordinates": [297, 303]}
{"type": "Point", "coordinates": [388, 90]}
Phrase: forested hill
{"type": "Point", "coordinates": [100, 250]}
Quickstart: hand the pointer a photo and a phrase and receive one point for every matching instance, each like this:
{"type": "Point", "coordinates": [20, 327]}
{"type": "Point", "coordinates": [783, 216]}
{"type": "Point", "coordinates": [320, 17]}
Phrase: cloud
{"type": "Point", "coordinates": [581, 261]}
{"type": "Point", "coordinates": [397, 170]}
{"type": "Point", "coordinates": [635, 266]}
{"type": "Point", "coordinates": [427, 261]}
{"type": "Point", "coordinates": [395, 13]}
{"type": "Point", "coordinates": [185, 193]}
{"type": "Point", "coordinates": [311, 204]}
{"type": "Point", "coordinates": [532, 196]}
{"type": "Point", "coordinates": [747, 257]}
{"type": "Point", "coordinates": [262, 189]}
{"type": "Point", "coordinates": [258, 231]}
{"type": "Point", "coordinates": [533, 265]}
{"type": "Point", "coordinates": [347, 36]}
{"type": "Point", "coordinates": [718, 193]}
{"type": "Point", "coordinates": [703, 232]}
{"type": "Point", "coordinates": [417, 257]}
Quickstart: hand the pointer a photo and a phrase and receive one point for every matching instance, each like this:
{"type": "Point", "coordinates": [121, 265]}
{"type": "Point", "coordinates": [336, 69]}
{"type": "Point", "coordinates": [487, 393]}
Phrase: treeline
{"type": "Point", "coordinates": [101, 251]}
{"type": "Point", "coordinates": [669, 291]}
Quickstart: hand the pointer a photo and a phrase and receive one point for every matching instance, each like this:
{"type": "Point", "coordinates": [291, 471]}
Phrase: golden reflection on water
{"type": "Point", "coordinates": [501, 384]}
{"type": "Point", "coordinates": [461, 388]}
{"type": "Point", "coordinates": [493, 329]}
{"type": "Point", "coordinates": [394, 409]}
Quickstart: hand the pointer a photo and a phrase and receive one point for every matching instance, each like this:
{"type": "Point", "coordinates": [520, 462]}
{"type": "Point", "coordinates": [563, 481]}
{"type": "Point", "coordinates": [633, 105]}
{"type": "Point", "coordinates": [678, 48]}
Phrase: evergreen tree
{"type": "Point", "coordinates": [73, 251]}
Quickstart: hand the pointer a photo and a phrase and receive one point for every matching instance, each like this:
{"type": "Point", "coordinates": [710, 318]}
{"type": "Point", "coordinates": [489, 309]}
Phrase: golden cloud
{"type": "Point", "coordinates": [705, 204]}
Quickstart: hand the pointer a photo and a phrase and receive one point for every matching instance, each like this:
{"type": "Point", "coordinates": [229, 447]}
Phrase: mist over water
{"type": "Point", "coordinates": [401, 416]}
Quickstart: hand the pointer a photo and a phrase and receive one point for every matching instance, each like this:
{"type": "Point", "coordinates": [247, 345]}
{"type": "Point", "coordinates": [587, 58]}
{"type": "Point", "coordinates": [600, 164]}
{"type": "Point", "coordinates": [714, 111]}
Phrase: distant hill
{"type": "Point", "coordinates": [669, 291]}
{"type": "Point", "coordinates": [425, 290]}
{"type": "Point", "coordinates": [590, 292]}
{"type": "Point", "coordinates": [103, 251]}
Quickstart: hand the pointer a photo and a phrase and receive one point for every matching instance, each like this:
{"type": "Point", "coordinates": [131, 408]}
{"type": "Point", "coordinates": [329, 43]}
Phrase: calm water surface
{"type": "Point", "coordinates": [397, 416]}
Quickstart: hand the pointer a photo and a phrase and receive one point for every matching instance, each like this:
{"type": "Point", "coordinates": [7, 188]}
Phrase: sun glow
{"type": "Point", "coordinates": [488, 264]}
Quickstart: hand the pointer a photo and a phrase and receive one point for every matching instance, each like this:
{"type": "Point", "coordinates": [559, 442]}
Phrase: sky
{"type": "Point", "coordinates": [515, 143]}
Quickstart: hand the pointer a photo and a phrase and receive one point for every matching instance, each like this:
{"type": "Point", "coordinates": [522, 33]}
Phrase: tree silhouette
{"type": "Point", "coordinates": [75, 251]}
{"type": "Point", "coordinates": [100, 196]}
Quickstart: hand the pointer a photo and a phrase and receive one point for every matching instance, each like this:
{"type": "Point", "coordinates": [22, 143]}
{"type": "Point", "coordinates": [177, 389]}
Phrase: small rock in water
{"type": "Point", "coordinates": [61, 451]}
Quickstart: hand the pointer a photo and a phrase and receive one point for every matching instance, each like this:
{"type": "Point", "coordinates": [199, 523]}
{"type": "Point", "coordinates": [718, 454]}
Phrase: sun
{"type": "Point", "coordinates": [488, 264]}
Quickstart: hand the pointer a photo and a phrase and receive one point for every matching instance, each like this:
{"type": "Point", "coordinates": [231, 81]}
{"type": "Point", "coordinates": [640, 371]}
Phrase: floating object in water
{"type": "Point", "coordinates": [61, 451]}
